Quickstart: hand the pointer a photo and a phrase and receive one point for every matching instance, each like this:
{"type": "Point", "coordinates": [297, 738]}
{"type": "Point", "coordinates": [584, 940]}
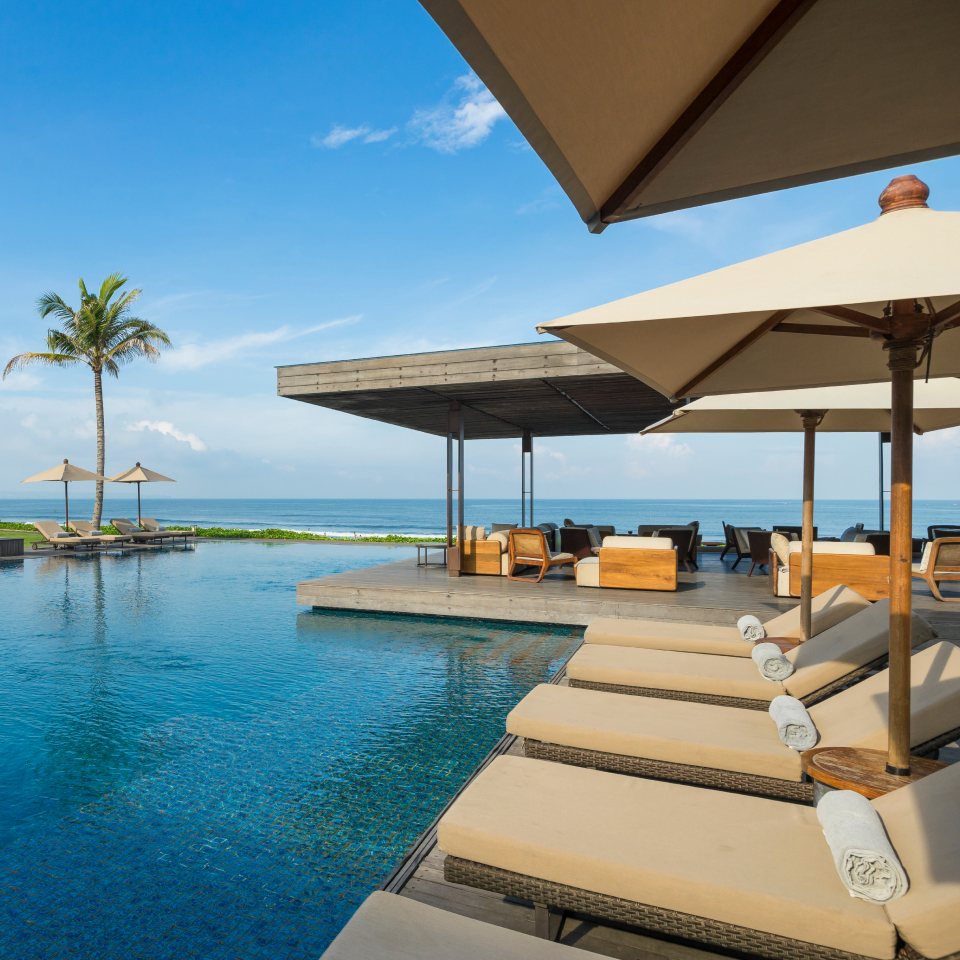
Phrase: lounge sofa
{"type": "Point", "coordinates": [487, 554]}
{"type": "Point", "coordinates": [854, 564]}
{"type": "Point", "coordinates": [632, 563]}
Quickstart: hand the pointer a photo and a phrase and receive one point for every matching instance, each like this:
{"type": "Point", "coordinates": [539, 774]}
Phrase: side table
{"type": "Point", "coordinates": [426, 547]}
{"type": "Point", "coordinates": [863, 771]}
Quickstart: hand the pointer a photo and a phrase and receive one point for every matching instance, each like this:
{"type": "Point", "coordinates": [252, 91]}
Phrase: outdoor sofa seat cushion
{"type": "Point", "coordinates": [829, 608]}
{"type": "Point", "coordinates": [638, 543]}
{"type": "Point", "coordinates": [391, 927]}
{"type": "Point", "coordinates": [834, 547]}
{"type": "Point", "coordinates": [568, 557]}
{"type": "Point", "coordinates": [922, 825]}
{"type": "Point", "coordinates": [701, 852]}
{"type": "Point", "coordinates": [728, 738]}
{"type": "Point", "coordinates": [588, 572]}
{"type": "Point", "coordinates": [474, 533]}
{"type": "Point", "coordinates": [853, 643]}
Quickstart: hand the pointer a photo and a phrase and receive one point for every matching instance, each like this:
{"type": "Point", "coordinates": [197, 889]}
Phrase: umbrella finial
{"type": "Point", "coordinates": [64, 459]}
{"type": "Point", "coordinates": [138, 463]}
{"type": "Point", "coordinates": [902, 193]}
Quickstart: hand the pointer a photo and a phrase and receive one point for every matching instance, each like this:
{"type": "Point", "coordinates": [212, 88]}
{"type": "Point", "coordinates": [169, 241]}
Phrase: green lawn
{"type": "Point", "coordinates": [25, 535]}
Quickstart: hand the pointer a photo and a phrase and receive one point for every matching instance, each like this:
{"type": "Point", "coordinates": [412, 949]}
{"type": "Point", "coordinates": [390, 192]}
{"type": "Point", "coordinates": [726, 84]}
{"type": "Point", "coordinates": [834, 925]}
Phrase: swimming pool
{"type": "Point", "coordinates": [190, 764]}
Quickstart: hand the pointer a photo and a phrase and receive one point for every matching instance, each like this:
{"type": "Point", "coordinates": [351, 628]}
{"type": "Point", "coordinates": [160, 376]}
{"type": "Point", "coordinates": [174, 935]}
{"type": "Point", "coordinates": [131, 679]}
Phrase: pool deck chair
{"type": "Point", "coordinates": [391, 927]}
{"type": "Point", "coordinates": [58, 538]}
{"type": "Point", "coordinates": [728, 748]}
{"type": "Point", "coordinates": [131, 530]}
{"type": "Point", "coordinates": [151, 526]}
{"type": "Point", "coordinates": [728, 872]}
{"type": "Point", "coordinates": [829, 608]}
{"type": "Point", "coordinates": [827, 663]}
{"type": "Point", "coordinates": [528, 548]}
{"type": "Point", "coordinates": [85, 528]}
{"type": "Point", "coordinates": [940, 561]}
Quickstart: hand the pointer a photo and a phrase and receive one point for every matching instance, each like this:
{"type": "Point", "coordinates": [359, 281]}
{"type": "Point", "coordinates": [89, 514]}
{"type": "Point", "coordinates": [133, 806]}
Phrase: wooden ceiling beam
{"type": "Point", "coordinates": [775, 26]}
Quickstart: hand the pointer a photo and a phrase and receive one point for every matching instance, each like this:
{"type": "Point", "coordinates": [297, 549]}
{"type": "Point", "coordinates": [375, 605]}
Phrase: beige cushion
{"type": "Point", "coordinates": [828, 608]}
{"type": "Point", "coordinates": [855, 642]}
{"type": "Point", "coordinates": [676, 731]}
{"type": "Point", "coordinates": [391, 927]}
{"type": "Point", "coordinates": [828, 546]}
{"type": "Point", "coordinates": [594, 536]}
{"type": "Point", "coordinates": [474, 533]}
{"type": "Point", "coordinates": [781, 546]}
{"type": "Point", "coordinates": [502, 538]}
{"type": "Point", "coordinates": [925, 559]}
{"type": "Point", "coordinates": [922, 823]}
{"type": "Point", "coordinates": [702, 852]}
{"type": "Point", "coordinates": [671, 670]}
{"type": "Point", "coordinates": [857, 717]}
{"type": "Point", "coordinates": [588, 572]}
{"type": "Point", "coordinates": [496, 527]}
{"type": "Point", "coordinates": [639, 543]}
{"type": "Point", "coordinates": [742, 540]}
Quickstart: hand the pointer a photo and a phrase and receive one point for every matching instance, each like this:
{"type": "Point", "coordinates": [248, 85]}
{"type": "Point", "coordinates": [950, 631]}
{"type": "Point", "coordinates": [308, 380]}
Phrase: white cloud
{"type": "Point", "coordinates": [659, 442]}
{"type": "Point", "coordinates": [169, 430]}
{"type": "Point", "coordinates": [193, 355]}
{"type": "Point", "coordinates": [450, 128]}
{"type": "Point", "coordinates": [339, 135]}
{"type": "Point", "coordinates": [20, 380]}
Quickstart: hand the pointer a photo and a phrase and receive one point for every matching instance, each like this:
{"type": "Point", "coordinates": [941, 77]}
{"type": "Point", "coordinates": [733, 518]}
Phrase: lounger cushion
{"type": "Point", "coordinates": [676, 731]}
{"type": "Point", "coordinates": [922, 823]}
{"type": "Point", "coordinates": [701, 852]}
{"type": "Point", "coordinates": [391, 927]}
{"type": "Point", "coordinates": [829, 608]}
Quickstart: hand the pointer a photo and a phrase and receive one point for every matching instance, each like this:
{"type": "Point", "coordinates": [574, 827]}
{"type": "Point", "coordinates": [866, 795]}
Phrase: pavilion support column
{"type": "Point", "coordinates": [902, 362]}
{"type": "Point", "coordinates": [811, 420]}
{"type": "Point", "coordinates": [454, 431]}
{"type": "Point", "coordinates": [526, 491]}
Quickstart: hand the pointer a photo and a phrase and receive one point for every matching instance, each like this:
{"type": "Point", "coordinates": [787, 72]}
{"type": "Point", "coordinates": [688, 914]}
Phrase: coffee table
{"type": "Point", "coordinates": [426, 547]}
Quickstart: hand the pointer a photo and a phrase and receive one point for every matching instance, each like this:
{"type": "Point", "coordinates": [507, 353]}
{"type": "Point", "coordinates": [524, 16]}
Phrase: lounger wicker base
{"type": "Point", "coordinates": [744, 703]}
{"type": "Point", "coordinates": [677, 772]}
{"type": "Point", "coordinates": [696, 931]}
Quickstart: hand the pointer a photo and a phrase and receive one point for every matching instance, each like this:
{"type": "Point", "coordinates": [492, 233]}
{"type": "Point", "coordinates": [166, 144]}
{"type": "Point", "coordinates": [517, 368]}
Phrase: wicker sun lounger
{"type": "Point", "coordinates": [391, 927]}
{"type": "Point", "coordinates": [58, 538]}
{"type": "Point", "coordinates": [85, 528]}
{"type": "Point", "coordinates": [151, 526]}
{"type": "Point", "coordinates": [724, 871]}
{"type": "Point", "coordinates": [131, 530]}
{"type": "Point", "coordinates": [836, 658]}
{"type": "Point", "coordinates": [829, 608]}
{"type": "Point", "coordinates": [727, 748]}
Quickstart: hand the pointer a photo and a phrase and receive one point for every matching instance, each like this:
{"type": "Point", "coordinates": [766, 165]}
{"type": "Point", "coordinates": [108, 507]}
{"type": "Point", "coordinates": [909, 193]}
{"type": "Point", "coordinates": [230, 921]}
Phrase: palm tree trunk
{"type": "Point", "coordinates": [98, 393]}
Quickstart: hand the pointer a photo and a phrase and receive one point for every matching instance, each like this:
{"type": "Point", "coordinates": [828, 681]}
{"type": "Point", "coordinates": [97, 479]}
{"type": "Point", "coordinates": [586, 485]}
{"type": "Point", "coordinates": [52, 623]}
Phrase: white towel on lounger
{"type": "Point", "coordinates": [771, 663]}
{"type": "Point", "coordinates": [866, 861]}
{"type": "Point", "coordinates": [795, 726]}
{"type": "Point", "coordinates": [751, 628]}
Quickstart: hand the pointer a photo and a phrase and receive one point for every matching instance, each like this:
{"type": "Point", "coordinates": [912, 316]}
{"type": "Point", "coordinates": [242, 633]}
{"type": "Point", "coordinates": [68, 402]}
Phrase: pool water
{"type": "Point", "coordinates": [191, 765]}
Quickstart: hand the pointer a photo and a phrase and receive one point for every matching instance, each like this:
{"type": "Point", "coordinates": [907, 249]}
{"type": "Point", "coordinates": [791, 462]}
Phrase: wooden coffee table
{"type": "Point", "coordinates": [863, 771]}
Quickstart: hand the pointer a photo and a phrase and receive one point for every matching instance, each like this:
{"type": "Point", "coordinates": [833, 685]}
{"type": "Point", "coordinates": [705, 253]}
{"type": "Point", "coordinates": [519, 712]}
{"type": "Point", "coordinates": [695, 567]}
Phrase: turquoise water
{"type": "Point", "coordinates": [428, 517]}
{"type": "Point", "coordinates": [190, 764]}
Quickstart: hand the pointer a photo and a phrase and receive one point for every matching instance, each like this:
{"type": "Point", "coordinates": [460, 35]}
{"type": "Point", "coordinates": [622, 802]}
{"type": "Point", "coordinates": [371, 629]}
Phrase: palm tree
{"type": "Point", "coordinates": [101, 334]}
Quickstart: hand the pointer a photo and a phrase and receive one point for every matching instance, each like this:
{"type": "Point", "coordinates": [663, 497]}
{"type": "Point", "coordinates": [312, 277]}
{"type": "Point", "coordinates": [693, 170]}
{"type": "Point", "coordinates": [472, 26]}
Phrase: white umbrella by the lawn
{"type": "Point", "coordinates": [66, 473]}
{"type": "Point", "coordinates": [140, 475]}
{"type": "Point", "coordinates": [878, 302]}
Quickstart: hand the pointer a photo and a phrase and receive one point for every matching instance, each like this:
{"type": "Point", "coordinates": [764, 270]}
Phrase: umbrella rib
{"type": "Point", "coordinates": [734, 351]}
{"type": "Point", "coordinates": [879, 324]}
{"type": "Point", "coordinates": [821, 329]}
{"type": "Point", "coordinates": [947, 317]}
{"type": "Point", "coordinates": [774, 27]}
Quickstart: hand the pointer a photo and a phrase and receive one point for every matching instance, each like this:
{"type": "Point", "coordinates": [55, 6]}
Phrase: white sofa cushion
{"type": "Point", "coordinates": [503, 538]}
{"type": "Point", "coordinates": [925, 559]}
{"type": "Point", "coordinates": [639, 543]}
{"type": "Point", "coordinates": [829, 546]}
{"type": "Point", "coordinates": [781, 547]}
{"type": "Point", "coordinates": [588, 572]}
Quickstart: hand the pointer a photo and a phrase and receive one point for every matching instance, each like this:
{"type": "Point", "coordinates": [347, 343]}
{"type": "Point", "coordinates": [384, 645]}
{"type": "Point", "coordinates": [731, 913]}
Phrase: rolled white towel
{"type": "Point", "coordinates": [866, 861]}
{"type": "Point", "coordinates": [795, 726]}
{"type": "Point", "coordinates": [773, 665]}
{"type": "Point", "coordinates": [751, 628]}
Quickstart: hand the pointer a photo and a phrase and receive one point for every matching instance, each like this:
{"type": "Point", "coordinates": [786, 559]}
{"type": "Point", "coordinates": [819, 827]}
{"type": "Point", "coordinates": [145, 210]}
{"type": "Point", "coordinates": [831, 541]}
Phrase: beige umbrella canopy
{"type": "Point", "coordinates": [878, 302]}
{"type": "Point", "coordinates": [638, 108]}
{"type": "Point", "coordinates": [67, 473]}
{"type": "Point", "coordinates": [140, 475]}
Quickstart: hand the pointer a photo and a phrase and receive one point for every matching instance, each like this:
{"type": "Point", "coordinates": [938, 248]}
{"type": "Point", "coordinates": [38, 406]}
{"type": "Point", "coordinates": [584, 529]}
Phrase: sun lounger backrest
{"type": "Point", "coordinates": [829, 608]}
{"type": "Point", "coordinates": [922, 823]}
{"type": "Point", "coordinates": [51, 529]}
{"type": "Point", "coordinates": [639, 543]}
{"type": "Point", "coordinates": [857, 717]}
{"type": "Point", "coordinates": [85, 528]}
{"type": "Point", "coordinates": [854, 643]}
{"type": "Point", "coordinates": [125, 526]}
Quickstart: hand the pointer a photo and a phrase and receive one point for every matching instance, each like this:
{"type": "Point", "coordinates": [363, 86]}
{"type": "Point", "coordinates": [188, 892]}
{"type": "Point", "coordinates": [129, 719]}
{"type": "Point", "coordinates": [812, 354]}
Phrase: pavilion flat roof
{"type": "Point", "coordinates": [551, 388]}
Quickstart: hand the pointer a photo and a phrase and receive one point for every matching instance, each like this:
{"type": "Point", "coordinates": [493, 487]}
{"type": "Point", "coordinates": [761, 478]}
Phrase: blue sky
{"type": "Point", "coordinates": [298, 182]}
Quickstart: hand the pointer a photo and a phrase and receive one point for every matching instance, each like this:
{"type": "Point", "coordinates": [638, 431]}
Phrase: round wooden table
{"type": "Point", "coordinates": [786, 644]}
{"type": "Point", "coordinates": [864, 771]}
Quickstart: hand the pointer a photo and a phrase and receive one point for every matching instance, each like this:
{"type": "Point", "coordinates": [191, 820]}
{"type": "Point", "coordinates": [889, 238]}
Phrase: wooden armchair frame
{"type": "Point", "coordinates": [944, 564]}
{"type": "Point", "coordinates": [528, 548]}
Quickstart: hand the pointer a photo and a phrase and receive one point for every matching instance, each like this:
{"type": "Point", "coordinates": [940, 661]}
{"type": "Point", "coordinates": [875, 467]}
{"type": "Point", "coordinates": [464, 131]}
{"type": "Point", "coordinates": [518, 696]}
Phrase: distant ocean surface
{"type": "Point", "coordinates": [428, 517]}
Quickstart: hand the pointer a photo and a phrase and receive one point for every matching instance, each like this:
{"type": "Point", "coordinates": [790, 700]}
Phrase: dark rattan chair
{"type": "Point", "coordinates": [732, 543]}
{"type": "Point", "coordinates": [681, 538]}
{"type": "Point", "coordinates": [759, 541]}
{"type": "Point", "coordinates": [576, 540]}
{"type": "Point", "coordinates": [880, 543]}
{"type": "Point", "coordinates": [941, 530]}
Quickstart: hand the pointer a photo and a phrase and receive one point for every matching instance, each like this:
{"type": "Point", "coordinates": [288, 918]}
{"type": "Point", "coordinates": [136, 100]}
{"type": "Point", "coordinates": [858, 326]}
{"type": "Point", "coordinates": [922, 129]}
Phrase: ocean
{"type": "Point", "coordinates": [421, 518]}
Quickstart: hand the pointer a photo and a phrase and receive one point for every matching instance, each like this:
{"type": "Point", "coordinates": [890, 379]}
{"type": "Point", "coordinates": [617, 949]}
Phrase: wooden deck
{"type": "Point", "coordinates": [714, 594]}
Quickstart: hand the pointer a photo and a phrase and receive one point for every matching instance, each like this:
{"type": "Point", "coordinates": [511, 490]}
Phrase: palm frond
{"type": "Point", "coordinates": [22, 360]}
{"type": "Point", "coordinates": [110, 286]}
{"type": "Point", "coordinates": [52, 303]}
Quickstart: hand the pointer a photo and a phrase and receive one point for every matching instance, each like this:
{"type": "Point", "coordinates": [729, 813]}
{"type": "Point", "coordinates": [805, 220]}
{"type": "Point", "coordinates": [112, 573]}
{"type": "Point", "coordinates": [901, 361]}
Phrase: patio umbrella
{"type": "Point", "coordinates": [859, 409]}
{"type": "Point", "coordinates": [888, 292]}
{"type": "Point", "coordinates": [639, 108]}
{"type": "Point", "coordinates": [140, 475]}
{"type": "Point", "coordinates": [67, 473]}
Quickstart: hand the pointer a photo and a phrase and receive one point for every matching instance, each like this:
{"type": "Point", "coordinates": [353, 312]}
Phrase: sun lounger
{"type": "Point", "coordinates": [836, 658]}
{"type": "Point", "coordinates": [728, 748]}
{"type": "Point", "coordinates": [131, 530]}
{"type": "Point", "coordinates": [720, 870]}
{"type": "Point", "coordinates": [58, 538]}
{"type": "Point", "coordinates": [151, 526]}
{"type": "Point", "coordinates": [392, 927]}
{"type": "Point", "coordinates": [829, 608]}
{"type": "Point", "coordinates": [85, 528]}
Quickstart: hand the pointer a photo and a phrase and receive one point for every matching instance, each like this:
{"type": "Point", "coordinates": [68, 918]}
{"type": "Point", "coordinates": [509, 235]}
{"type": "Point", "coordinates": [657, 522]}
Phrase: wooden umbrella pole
{"type": "Point", "coordinates": [811, 420]}
{"type": "Point", "coordinates": [902, 362]}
